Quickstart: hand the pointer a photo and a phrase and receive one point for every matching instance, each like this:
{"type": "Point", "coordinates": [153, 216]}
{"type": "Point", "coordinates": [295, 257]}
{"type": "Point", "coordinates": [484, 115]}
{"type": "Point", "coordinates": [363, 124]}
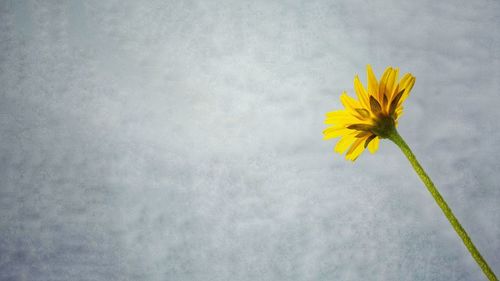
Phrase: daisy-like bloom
{"type": "Point", "coordinates": [374, 116]}
{"type": "Point", "coordinates": [370, 117]}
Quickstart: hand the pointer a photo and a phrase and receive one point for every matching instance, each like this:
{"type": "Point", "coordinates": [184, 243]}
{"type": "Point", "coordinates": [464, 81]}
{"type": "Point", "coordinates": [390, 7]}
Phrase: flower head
{"type": "Point", "coordinates": [370, 117]}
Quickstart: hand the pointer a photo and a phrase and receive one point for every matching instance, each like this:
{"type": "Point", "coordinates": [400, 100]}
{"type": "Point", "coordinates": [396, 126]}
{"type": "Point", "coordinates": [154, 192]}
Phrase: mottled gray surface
{"type": "Point", "coordinates": [181, 140]}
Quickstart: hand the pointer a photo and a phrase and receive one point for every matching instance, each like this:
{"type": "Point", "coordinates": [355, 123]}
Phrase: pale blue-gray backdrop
{"type": "Point", "coordinates": [181, 140]}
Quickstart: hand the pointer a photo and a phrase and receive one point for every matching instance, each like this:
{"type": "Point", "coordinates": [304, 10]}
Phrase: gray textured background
{"type": "Point", "coordinates": [181, 140]}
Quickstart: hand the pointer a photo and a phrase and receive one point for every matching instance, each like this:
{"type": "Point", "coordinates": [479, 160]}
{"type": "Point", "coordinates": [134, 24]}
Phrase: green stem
{"type": "Point", "coordinates": [398, 140]}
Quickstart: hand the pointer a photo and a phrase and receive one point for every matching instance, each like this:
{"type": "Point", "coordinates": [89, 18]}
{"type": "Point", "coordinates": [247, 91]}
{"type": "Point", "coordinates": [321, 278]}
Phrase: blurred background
{"type": "Point", "coordinates": [181, 140]}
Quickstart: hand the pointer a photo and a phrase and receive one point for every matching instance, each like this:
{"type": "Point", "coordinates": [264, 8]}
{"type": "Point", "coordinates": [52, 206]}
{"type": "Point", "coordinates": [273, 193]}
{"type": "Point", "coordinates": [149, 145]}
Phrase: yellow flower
{"type": "Point", "coordinates": [370, 117]}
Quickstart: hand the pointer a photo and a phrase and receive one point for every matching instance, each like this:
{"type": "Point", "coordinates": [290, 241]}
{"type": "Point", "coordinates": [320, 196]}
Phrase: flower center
{"type": "Point", "coordinates": [384, 126]}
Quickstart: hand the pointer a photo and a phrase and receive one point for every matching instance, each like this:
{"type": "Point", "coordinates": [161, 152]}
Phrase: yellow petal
{"type": "Point", "coordinates": [404, 80]}
{"type": "Point", "coordinates": [335, 132]}
{"type": "Point", "coordinates": [339, 117]}
{"type": "Point", "coordinates": [344, 143]}
{"type": "Point", "coordinates": [372, 82]}
{"type": "Point", "coordinates": [336, 113]}
{"type": "Point", "coordinates": [361, 92]}
{"type": "Point", "coordinates": [336, 121]}
{"type": "Point", "coordinates": [407, 87]}
{"type": "Point", "coordinates": [382, 84]}
{"type": "Point", "coordinates": [391, 83]}
{"type": "Point", "coordinates": [351, 106]}
{"type": "Point", "coordinates": [373, 145]}
{"type": "Point", "coordinates": [399, 112]}
{"type": "Point", "coordinates": [356, 149]}
{"type": "Point", "coordinates": [348, 102]}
